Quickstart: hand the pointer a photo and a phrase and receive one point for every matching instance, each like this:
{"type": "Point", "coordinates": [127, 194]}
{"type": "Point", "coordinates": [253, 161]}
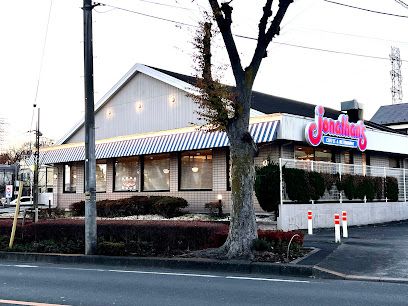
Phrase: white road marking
{"type": "Point", "coordinates": [163, 273]}
{"type": "Point", "coordinates": [267, 279]}
{"type": "Point", "coordinates": [26, 303]}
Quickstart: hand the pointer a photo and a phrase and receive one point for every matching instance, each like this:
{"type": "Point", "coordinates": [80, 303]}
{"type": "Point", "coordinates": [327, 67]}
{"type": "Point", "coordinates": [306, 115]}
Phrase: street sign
{"type": "Point", "coordinates": [9, 191]}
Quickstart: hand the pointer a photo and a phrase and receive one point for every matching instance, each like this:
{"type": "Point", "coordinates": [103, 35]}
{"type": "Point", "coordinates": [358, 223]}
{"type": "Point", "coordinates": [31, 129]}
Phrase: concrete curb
{"type": "Point", "coordinates": [203, 264]}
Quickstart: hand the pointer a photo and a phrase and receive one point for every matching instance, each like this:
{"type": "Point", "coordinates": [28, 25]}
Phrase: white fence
{"type": "Point", "coordinates": [334, 195]}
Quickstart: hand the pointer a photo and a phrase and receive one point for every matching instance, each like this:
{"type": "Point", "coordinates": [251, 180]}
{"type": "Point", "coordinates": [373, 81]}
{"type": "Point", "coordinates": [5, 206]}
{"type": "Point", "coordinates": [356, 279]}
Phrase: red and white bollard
{"type": "Point", "coordinates": [337, 228]}
{"type": "Point", "coordinates": [344, 223]}
{"type": "Point", "coordinates": [309, 222]}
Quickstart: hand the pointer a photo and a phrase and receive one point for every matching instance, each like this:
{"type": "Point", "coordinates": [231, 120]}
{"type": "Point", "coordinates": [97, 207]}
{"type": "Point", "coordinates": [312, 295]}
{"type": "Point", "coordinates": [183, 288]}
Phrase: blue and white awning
{"type": "Point", "coordinates": [261, 132]}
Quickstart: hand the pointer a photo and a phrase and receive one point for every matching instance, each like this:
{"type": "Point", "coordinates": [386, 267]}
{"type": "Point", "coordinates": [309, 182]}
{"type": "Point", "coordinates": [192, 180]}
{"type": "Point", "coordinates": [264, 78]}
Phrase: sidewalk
{"type": "Point", "coordinates": [375, 251]}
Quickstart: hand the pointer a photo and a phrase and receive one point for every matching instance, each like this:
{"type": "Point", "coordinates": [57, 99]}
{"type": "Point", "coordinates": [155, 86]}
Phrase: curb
{"type": "Point", "coordinates": [203, 264]}
{"type": "Point", "coordinates": [330, 274]}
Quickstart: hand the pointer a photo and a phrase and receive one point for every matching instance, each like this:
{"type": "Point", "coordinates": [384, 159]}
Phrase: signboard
{"type": "Point", "coordinates": [338, 132]}
{"type": "Point", "coordinates": [9, 191]}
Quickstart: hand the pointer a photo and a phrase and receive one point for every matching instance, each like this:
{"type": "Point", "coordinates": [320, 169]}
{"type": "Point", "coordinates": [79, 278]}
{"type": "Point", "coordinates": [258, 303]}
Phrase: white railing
{"type": "Point", "coordinates": [334, 195]}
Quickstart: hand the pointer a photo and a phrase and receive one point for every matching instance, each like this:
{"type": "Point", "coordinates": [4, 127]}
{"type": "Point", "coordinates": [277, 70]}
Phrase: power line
{"type": "Point", "coordinates": [364, 9]}
{"type": "Point", "coordinates": [402, 3]}
{"type": "Point", "coordinates": [253, 38]}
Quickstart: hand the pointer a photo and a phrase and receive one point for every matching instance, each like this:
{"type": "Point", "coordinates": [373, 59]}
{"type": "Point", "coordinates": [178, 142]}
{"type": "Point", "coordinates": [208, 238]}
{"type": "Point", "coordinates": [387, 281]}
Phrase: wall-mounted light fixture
{"type": "Point", "coordinates": [166, 171]}
{"type": "Point", "coordinates": [172, 100]}
{"type": "Point", "coordinates": [109, 113]}
{"type": "Point", "coordinates": [194, 169]}
{"type": "Point", "coordinates": [265, 163]}
{"type": "Point", "coordinates": [139, 106]}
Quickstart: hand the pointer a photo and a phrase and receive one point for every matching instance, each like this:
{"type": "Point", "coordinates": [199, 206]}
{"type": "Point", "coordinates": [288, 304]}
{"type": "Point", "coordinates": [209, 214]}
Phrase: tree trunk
{"type": "Point", "coordinates": [243, 228]}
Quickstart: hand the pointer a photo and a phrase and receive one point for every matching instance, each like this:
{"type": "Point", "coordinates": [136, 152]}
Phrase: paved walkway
{"type": "Point", "coordinates": [372, 251]}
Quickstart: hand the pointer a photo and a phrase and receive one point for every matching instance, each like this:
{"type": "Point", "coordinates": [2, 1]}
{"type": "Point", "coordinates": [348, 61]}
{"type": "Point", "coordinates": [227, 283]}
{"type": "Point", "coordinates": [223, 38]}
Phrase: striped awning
{"type": "Point", "coordinates": [261, 132]}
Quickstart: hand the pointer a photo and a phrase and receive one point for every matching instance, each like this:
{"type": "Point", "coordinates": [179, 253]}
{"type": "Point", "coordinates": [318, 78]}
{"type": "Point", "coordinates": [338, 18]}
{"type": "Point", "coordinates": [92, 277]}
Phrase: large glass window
{"type": "Point", "coordinates": [126, 174]}
{"type": "Point", "coordinates": [196, 170]}
{"type": "Point", "coordinates": [100, 177]}
{"type": "Point", "coordinates": [70, 178]}
{"type": "Point", "coordinates": [309, 153]}
{"type": "Point", "coordinates": [156, 172]}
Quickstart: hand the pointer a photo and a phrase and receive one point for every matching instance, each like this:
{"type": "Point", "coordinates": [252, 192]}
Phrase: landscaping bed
{"type": "Point", "coordinates": [141, 238]}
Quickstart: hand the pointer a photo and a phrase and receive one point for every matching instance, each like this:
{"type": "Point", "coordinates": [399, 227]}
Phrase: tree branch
{"type": "Point", "coordinates": [223, 18]}
{"type": "Point", "coordinates": [265, 38]}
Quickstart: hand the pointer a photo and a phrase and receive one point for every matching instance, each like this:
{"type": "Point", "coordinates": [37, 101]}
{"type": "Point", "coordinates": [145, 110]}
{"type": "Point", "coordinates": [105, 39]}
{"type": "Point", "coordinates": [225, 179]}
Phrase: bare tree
{"type": "Point", "coordinates": [230, 111]}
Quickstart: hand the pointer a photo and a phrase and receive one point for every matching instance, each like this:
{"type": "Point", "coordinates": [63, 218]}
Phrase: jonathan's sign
{"type": "Point", "coordinates": [338, 132]}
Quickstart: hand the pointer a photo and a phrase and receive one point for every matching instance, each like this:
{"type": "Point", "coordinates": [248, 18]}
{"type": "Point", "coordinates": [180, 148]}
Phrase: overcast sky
{"type": "Point", "coordinates": [122, 39]}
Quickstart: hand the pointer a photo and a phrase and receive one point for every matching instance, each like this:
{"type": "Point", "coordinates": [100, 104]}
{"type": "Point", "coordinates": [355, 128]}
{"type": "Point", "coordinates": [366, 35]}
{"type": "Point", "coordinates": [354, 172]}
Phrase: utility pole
{"type": "Point", "coordinates": [90, 161]}
{"type": "Point", "coordinates": [36, 164]}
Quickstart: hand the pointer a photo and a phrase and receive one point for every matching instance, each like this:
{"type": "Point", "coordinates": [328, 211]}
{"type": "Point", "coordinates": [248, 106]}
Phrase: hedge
{"type": "Point", "coordinates": [134, 206]}
{"type": "Point", "coordinates": [140, 238]}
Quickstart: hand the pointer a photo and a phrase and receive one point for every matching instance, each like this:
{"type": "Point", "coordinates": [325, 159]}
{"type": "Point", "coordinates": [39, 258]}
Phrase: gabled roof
{"type": "Point", "coordinates": [391, 114]}
{"type": "Point", "coordinates": [261, 102]}
{"type": "Point", "coordinates": [267, 104]}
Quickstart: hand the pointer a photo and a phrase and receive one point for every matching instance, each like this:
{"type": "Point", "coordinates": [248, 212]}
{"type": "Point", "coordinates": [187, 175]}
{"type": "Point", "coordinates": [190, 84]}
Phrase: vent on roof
{"type": "Point", "coordinates": [353, 109]}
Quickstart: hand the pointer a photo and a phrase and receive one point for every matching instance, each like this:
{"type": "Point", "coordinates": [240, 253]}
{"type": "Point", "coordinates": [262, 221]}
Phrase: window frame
{"type": "Point", "coordinates": [114, 175]}
{"type": "Point", "coordinates": [63, 178]}
{"type": "Point", "coordinates": [179, 156]}
{"type": "Point", "coordinates": [142, 169]}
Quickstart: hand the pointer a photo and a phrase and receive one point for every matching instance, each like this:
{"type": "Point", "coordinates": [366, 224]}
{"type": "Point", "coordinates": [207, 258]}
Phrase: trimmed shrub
{"type": "Point", "coordinates": [317, 185]}
{"type": "Point", "coordinates": [214, 208]}
{"type": "Point", "coordinates": [78, 208]}
{"type": "Point", "coordinates": [347, 185]}
{"type": "Point", "coordinates": [261, 245]}
{"type": "Point", "coordinates": [169, 207]}
{"type": "Point", "coordinates": [134, 206]}
{"type": "Point", "coordinates": [111, 248]}
{"type": "Point", "coordinates": [297, 186]}
{"type": "Point", "coordinates": [391, 188]}
{"type": "Point", "coordinates": [330, 180]}
{"type": "Point", "coordinates": [378, 187]}
{"type": "Point", "coordinates": [267, 187]}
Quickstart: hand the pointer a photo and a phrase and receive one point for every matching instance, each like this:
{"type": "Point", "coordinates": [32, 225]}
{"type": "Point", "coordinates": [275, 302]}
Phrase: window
{"type": "Point", "coordinates": [304, 153]}
{"type": "Point", "coordinates": [126, 174]}
{"type": "Point", "coordinates": [196, 170]}
{"type": "Point", "coordinates": [100, 177]}
{"type": "Point", "coordinates": [394, 162]}
{"type": "Point", "coordinates": [156, 172]}
{"type": "Point", "coordinates": [70, 179]}
{"type": "Point", "coordinates": [309, 153]}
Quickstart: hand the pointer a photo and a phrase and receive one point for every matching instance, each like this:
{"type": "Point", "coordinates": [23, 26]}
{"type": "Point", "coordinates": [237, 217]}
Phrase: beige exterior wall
{"type": "Point", "coordinates": [162, 107]}
{"type": "Point", "coordinates": [196, 199]}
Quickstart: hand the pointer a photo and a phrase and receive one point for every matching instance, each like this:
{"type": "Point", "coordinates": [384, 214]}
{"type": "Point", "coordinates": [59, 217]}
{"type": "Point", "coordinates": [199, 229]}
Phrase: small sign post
{"type": "Point", "coordinates": [336, 228]}
{"type": "Point", "coordinates": [309, 222]}
{"type": "Point", "coordinates": [344, 223]}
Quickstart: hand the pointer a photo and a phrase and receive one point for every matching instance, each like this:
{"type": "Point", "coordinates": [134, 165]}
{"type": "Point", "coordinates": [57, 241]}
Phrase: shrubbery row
{"type": "Point", "coordinates": [303, 186]}
{"type": "Point", "coordinates": [137, 205]}
{"type": "Point", "coordinates": [141, 238]}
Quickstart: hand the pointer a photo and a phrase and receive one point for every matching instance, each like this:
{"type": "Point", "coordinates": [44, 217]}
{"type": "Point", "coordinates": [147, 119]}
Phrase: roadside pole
{"type": "Point", "coordinates": [337, 228]}
{"type": "Point", "coordinates": [90, 161]}
{"type": "Point", "coordinates": [13, 230]}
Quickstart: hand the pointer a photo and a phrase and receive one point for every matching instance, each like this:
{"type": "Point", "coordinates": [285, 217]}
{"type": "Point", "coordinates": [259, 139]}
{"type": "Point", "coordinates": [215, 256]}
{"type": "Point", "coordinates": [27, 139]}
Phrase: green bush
{"type": "Point", "coordinates": [297, 185]}
{"type": "Point", "coordinates": [169, 207]}
{"type": "Point", "coordinates": [111, 248]}
{"type": "Point", "coordinates": [134, 206]}
{"type": "Point", "coordinates": [267, 187]}
{"type": "Point", "coordinates": [346, 184]}
{"type": "Point", "coordinates": [330, 180]}
{"type": "Point", "coordinates": [261, 245]}
{"type": "Point", "coordinates": [316, 185]}
{"type": "Point", "coordinates": [391, 189]}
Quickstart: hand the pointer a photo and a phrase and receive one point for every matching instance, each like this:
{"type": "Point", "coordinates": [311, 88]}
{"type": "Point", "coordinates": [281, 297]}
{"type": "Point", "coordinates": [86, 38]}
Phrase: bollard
{"type": "Point", "coordinates": [337, 228]}
{"type": "Point", "coordinates": [344, 223]}
{"type": "Point", "coordinates": [309, 222]}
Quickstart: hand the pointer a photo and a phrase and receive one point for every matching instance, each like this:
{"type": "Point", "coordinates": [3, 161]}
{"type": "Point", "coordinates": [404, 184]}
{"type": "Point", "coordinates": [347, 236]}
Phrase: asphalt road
{"type": "Point", "coordinates": [47, 284]}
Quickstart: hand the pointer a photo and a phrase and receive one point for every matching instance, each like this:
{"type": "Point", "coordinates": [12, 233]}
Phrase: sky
{"type": "Point", "coordinates": [49, 72]}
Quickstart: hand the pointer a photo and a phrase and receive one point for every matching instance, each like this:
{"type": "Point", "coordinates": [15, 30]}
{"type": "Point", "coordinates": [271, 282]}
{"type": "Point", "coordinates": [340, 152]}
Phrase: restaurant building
{"type": "Point", "coordinates": [148, 143]}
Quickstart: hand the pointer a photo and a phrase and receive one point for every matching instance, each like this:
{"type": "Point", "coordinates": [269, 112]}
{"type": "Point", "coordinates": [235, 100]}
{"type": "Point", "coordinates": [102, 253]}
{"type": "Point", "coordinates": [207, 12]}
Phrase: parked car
{"type": "Point", "coordinates": [24, 201]}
